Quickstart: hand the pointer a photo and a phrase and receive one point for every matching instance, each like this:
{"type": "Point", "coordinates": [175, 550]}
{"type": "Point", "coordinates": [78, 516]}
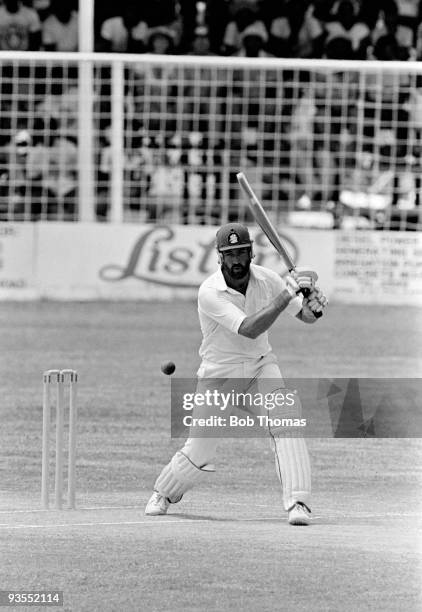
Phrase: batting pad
{"type": "Point", "coordinates": [280, 415]}
{"type": "Point", "coordinates": [293, 469]}
{"type": "Point", "coordinates": [179, 476]}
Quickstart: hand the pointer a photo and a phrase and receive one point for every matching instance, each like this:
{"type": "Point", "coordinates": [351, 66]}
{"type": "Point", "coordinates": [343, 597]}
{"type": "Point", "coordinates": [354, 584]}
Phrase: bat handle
{"type": "Point", "coordinates": [305, 293]}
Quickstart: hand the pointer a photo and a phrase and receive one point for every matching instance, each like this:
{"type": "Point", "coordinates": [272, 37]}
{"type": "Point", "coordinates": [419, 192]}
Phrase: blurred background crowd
{"type": "Point", "coordinates": [308, 139]}
{"type": "Point", "coordinates": [340, 29]}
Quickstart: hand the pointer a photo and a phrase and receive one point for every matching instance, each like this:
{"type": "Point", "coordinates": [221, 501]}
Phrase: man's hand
{"type": "Point", "coordinates": [301, 280]}
{"type": "Point", "coordinates": [292, 286]}
{"type": "Point", "coordinates": [315, 301]}
{"type": "Point", "coordinates": [305, 278]}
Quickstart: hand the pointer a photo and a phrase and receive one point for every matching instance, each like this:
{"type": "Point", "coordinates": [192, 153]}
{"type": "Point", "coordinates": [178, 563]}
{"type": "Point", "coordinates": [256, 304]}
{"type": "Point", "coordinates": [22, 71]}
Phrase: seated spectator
{"type": "Point", "coordinates": [253, 41]}
{"type": "Point", "coordinates": [25, 162]}
{"type": "Point", "coordinates": [295, 31]}
{"type": "Point", "coordinates": [409, 18]}
{"type": "Point", "coordinates": [345, 24]}
{"type": "Point", "coordinates": [162, 13]}
{"type": "Point", "coordinates": [125, 33]}
{"type": "Point", "coordinates": [61, 180]}
{"type": "Point", "coordinates": [339, 48]}
{"type": "Point", "coordinates": [161, 40]}
{"type": "Point", "coordinates": [20, 27]}
{"type": "Point", "coordinates": [60, 29]}
{"type": "Point", "coordinates": [62, 109]}
{"type": "Point", "coordinates": [43, 8]}
{"type": "Point", "coordinates": [387, 49]}
{"type": "Point", "coordinates": [388, 24]}
{"type": "Point", "coordinates": [279, 33]}
{"type": "Point", "coordinates": [370, 11]}
{"type": "Point", "coordinates": [244, 18]}
{"type": "Point", "coordinates": [201, 43]}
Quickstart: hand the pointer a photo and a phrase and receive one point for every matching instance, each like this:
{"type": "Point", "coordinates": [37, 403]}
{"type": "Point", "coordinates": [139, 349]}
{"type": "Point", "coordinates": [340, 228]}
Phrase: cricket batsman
{"type": "Point", "coordinates": [237, 305]}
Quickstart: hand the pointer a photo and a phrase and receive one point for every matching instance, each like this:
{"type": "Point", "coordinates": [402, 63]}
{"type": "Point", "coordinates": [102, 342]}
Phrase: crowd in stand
{"type": "Point", "coordinates": [183, 160]}
{"type": "Point", "coordinates": [335, 29]}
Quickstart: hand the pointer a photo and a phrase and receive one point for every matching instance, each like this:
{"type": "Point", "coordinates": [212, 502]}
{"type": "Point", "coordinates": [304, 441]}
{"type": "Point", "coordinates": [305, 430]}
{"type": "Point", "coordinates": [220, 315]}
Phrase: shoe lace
{"type": "Point", "coordinates": [301, 506]}
{"type": "Point", "coordinates": [304, 507]}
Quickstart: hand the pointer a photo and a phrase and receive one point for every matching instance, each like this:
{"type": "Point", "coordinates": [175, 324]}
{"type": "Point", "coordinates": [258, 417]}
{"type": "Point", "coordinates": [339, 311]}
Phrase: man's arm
{"type": "Point", "coordinates": [258, 323]}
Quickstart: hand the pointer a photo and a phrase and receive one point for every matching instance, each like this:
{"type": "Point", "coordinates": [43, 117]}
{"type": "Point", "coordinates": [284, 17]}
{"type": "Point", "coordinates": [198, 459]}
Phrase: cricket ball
{"type": "Point", "coordinates": [168, 367]}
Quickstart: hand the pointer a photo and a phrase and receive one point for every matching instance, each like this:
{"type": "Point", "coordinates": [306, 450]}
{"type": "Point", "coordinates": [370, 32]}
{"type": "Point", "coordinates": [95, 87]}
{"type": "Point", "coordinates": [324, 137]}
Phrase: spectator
{"type": "Point", "coordinates": [409, 18]}
{"type": "Point", "coordinates": [161, 40]}
{"type": "Point", "coordinates": [370, 11]}
{"type": "Point", "coordinates": [301, 136]}
{"type": "Point", "coordinates": [253, 40]}
{"type": "Point", "coordinates": [339, 48]}
{"type": "Point", "coordinates": [43, 8]}
{"type": "Point", "coordinates": [386, 128]}
{"type": "Point", "coordinates": [20, 27]}
{"type": "Point", "coordinates": [295, 31]}
{"type": "Point", "coordinates": [163, 13]}
{"type": "Point", "coordinates": [125, 33]}
{"type": "Point", "coordinates": [137, 162]}
{"type": "Point", "coordinates": [279, 33]}
{"type": "Point", "coordinates": [388, 25]}
{"type": "Point", "coordinates": [60, 29]}
{"type": "Point", "coordinates": [201, 43]}
{"type": "Point", "coordinates": [202, 163]}
{"type": "Point", "coordinates": [61, 180]}
{"type": "Point", "coordinates": [244, 18]}
{"type": "Point", "coordinates": [62, 109]}
{"type": "Point", "coordinates": [162, 177]}
{"type": "Point", "coordinates": [387, 49]}
{"type": "Point", "coordinates": [344, 24]}
{"type": "Point", "coordinates": [26, 161]}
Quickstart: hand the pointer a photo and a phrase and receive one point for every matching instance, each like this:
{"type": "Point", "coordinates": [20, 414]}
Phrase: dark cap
{"type": "Point", "coordinates": [233, 236]}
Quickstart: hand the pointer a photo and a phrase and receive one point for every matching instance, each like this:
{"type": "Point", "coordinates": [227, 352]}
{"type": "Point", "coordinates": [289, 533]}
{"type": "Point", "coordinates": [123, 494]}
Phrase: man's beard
{"type": "Point", "coordinates": [237, 271]}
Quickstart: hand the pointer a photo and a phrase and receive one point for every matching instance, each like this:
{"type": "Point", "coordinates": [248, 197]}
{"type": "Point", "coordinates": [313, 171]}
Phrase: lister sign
{"type": "Point", "coordinates": [181, 257]}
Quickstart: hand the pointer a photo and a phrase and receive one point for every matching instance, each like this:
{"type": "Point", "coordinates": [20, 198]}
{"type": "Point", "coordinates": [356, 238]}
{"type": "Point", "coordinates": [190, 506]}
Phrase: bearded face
{"type": "Point", "coordinates": [236, 262]}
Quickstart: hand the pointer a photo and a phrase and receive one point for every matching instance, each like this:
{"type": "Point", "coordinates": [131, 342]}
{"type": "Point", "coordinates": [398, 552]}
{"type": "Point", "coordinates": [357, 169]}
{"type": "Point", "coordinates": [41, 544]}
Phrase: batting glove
{"type": "Point", "coordinates": [316, 300]}
{"type": "Point", "coordinates": [292, 286]}
{"type": "Point", "coordinates": [305, 278]}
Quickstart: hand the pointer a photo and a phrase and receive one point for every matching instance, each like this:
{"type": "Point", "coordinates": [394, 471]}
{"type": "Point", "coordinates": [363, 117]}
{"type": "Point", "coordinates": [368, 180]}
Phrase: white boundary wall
{"type": "Point", "coordinates": [69, 261]}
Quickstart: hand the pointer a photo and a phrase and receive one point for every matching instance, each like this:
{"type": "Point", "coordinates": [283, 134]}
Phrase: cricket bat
{"type": "Point", "coordinates": [267, 227]}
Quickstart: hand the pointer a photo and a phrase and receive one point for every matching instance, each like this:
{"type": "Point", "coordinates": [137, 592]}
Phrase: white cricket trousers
{"type": "Point", "coordinates": [291, 454]}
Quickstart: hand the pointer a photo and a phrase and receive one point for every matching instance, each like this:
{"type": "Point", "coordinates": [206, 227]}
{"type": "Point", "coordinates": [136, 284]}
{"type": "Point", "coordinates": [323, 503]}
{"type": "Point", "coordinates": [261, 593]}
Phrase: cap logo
{"type": "Point", "coordinates": [233, 238]}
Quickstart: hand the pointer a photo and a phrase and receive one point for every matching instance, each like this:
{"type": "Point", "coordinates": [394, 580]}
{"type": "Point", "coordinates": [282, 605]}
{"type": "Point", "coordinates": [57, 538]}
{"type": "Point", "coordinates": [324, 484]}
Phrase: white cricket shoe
{"type": "Point", "coordinates": [158, 504]}
{"type": "Point", "coordinates": [299, 514]}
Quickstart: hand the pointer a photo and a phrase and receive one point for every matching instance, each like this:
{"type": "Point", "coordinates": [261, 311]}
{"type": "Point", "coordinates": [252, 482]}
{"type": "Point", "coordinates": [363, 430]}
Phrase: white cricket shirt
{"type": "Point", "coordinates": [222, 310]}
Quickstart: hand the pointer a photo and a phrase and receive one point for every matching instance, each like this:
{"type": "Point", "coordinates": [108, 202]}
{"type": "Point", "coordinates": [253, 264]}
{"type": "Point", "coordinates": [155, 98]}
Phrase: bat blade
{"type": "Point", "coordinates": [263, 221]}
{"type": "Point", "coordinates": [267, 227]}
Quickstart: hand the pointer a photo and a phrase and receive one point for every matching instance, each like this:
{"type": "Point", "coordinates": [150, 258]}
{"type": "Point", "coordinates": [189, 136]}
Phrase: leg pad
{"type": "Point", "coordinates": [179, 476]}
{"type": "Point", "coordinates": [293, 469]}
